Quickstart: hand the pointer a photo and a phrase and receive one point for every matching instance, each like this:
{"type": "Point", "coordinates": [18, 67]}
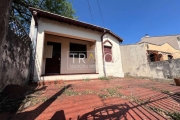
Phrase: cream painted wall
{"type": "Point", "coordinates": [65, 47]}
{"type": "Point", "coordinates": [114, 68]}
{"type": "Point", "coordinates": [44, 25]}
{"type": "Point", "coordinates": [164, 48]}
{"type": "Point", "coordinates": [135, 61]}
{"type": "Point", "coordinates": [32, 27]}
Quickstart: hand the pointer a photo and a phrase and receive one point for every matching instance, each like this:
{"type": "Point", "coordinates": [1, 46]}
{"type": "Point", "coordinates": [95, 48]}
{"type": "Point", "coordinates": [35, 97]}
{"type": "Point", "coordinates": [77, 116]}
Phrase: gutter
{"type": "Point", "coordinates": [102, 45]}
{"type": "Point", "coordinates": [33, 47]}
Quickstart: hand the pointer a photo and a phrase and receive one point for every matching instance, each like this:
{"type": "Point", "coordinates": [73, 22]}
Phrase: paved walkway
{"type": "Point", "coordinates": [126, 99]}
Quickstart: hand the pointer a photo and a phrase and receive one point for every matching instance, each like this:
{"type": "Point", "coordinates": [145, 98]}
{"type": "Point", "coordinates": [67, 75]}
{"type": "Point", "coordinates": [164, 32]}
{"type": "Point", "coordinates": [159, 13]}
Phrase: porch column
{"type": "Point", "coordinates": [39, 55]}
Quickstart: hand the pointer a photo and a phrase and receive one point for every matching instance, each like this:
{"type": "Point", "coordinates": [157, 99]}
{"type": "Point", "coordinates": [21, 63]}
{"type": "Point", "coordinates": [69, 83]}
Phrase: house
{"type": "Point", "coordinates": [161, 48]}
{"type": "Point", "coordinates": [153, 57]}
{"type": "Point", "coordinates": [172, 40]}
{"type": "Point", "coordinates": [68, 49]}
{"type": "Point", "coordinates": [161, 52]}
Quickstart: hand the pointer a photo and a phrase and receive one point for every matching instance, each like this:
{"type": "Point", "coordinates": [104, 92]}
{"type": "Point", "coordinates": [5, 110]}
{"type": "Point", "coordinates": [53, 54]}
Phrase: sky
{"type": "Point", "coordinates": [132, 19]}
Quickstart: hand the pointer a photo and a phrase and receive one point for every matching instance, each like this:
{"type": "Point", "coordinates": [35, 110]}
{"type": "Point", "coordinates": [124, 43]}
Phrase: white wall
{"type": "Point", "coordinates": [134, 60]}
{"type": "Point", "coordinates": [57, 27]}
{"type": "Point", "coordinates": [114, 68]}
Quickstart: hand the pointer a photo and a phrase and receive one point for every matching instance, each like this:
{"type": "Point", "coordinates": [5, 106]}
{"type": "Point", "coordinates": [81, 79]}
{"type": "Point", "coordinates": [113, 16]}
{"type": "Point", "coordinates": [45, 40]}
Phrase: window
{"type": "Point", "coordinates": [152, 57]}
{"type": "Point", "coordinates": [160, 57]}
{"type": "Point", "coordinates": [78, 50]}
{"type": "Point", "coordinates": [108, 54]}
{"type": "Point", "coordinates": [170, 57]}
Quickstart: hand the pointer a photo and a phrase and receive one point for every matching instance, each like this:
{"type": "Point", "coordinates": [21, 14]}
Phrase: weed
{"type": "Point", "coordinates": [34, 101]}
{"type": "Point", "coordinates": [88, 92]}
{"type": "Point", "coordinates": [86, 79]}
{"type": "Point", "coordinates": [174, 115]}
{"type": "Point", "coordinates": [153, 88]}
{"type": "Point", "coordinates": [55, 82]}
{"type": "Point", "coordinates": [103, 78]}
{"type": "Point", "coordinates": [103, 96]}
{"type": "Point", "coordinates": [44, 99]}
{"type": "Point", "coordinates": [165, 91]}
{"type": "Point", "coordinates": [111, 91]}
{"type": "Point", "coordinates": [119, 87]}
{"type": "Point", "coordinates": [71, 92]}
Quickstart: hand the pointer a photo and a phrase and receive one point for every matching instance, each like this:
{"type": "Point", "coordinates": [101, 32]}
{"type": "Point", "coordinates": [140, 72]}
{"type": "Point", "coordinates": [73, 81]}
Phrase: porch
{"type": "Point", "coordinates": [68, 57]}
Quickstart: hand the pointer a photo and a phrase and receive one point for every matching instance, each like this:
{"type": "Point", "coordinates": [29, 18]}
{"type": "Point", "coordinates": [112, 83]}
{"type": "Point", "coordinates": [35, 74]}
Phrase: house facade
{"type": "Point", "coordinates": [161, 48]}
{"type": "Point", "coordinates": [67, 49]}
{"type": "Point", "coordinates": [161, 52]}
{"type": "Point", "coordinates": [172, 40]}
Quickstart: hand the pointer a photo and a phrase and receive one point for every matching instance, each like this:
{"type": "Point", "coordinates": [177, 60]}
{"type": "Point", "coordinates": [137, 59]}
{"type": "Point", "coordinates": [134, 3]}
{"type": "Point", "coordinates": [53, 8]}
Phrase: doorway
{"type": "Point", "coordinates": [53, 64]}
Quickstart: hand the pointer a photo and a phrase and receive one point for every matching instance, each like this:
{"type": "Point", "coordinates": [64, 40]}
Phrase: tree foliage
{"type": "Point", "coordinates": [22, 13]}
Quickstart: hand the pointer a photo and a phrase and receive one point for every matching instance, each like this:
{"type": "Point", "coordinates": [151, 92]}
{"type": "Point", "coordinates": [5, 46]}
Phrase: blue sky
{"type": "Point", "coordinates": [132, 19]}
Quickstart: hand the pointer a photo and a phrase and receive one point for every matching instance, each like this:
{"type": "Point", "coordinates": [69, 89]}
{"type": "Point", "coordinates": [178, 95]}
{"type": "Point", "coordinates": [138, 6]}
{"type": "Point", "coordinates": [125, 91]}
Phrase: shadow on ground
{"type": "Point", "coordinates": [12, 97]}
{"type": "Point", "coordinates": [36, 112]}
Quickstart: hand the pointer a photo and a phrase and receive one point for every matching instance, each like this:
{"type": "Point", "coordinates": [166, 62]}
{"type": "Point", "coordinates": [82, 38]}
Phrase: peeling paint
{"type": "Point", "coordinates": [135, 63]}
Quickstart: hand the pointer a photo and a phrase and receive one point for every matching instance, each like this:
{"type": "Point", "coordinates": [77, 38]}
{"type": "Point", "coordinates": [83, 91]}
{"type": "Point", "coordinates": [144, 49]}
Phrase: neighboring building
{"type": "Point", "coordinates": [162, 47]}
{"type": "Point", "coordinates": [67, 49]}
{"type": "Point", "coordinates": [137, 60]}
{"type": "Point", "coordinates": [172, 40]}
{"type": "Point", "coordinates": [161, 52]}
{"type": "Point", "coordinates": [151, 57]}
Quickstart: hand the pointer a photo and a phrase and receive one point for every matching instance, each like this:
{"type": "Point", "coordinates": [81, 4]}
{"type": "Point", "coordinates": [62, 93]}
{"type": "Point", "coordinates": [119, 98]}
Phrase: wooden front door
{"type": "Point", "coordinates": [53, 64]}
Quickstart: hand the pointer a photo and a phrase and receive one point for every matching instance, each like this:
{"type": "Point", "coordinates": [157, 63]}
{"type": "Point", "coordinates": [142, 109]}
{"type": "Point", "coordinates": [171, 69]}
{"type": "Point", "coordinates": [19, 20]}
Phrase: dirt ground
{"type": "Point", "coordinates": [113, 99]}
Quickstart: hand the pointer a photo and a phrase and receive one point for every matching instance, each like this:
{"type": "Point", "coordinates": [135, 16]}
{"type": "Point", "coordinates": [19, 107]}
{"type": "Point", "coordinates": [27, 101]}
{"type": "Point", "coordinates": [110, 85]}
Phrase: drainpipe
{"type": "Point", "coordinates": [33, 47]}
{"type": "Point", "coordinates": [102, 45]}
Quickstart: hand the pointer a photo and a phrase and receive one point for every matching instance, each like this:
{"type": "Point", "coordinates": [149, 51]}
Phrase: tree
{"type": "Point", "coordinates": [22, 13]}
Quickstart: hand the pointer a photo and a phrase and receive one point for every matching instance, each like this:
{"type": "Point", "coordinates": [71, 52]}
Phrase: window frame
{"type": "Point", "coordinates": [77, 51]}
{"type": "Point", "coordinates": [111, 53]}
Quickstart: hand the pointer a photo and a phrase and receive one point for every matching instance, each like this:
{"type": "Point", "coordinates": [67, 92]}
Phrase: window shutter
{"type": "Point", "coordinates": [108, 54]}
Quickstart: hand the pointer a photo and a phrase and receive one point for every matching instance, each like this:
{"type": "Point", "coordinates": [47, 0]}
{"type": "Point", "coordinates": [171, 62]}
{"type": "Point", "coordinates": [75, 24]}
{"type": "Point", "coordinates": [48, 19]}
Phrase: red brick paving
{"type": "Point", "coordinates": [91, 106]}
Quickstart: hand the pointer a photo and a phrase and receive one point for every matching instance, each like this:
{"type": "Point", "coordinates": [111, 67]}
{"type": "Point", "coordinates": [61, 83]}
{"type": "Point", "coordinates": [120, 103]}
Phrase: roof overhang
{"type": "Point", "coordinates": [37, 13]}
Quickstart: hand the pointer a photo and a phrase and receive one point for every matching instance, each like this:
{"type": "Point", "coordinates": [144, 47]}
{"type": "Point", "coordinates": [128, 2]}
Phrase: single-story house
{"type": "Point", "coordinates": [68, 49]}
{"type": "Point", "coordinates": [161, 52]}
{"type": "Point", "coordinates": [161, 48]}
{"type": "Point", "coordinates": [172, 40]}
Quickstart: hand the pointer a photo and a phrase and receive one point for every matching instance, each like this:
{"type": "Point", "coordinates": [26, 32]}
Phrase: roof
{"type": "Point", "coordinates": [56, 17]}
{"type": "Point", "coordinates": [159, 40]}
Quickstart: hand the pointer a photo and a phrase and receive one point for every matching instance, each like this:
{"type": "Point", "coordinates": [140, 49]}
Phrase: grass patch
{"type": "Point", "coordinates": [119, 87]}
{"type": "Point", "coordinates": [103, 78]}
{"type": "Point", "coordinates": [153, 88]}
{"type": "Point", "coordinates": [174, 115]}
{"type": "Point", "coordinates": [71, 92]}
{"type": "Point", "coordinates": [86, 79]}
{"type": "Point", "coordinates": [165, 91]}
{"type": "Point", "coordinates": [88, 92]}
{"type": "Point", "coordinates": [110, 92]}
{"type": "Point", "coordinates": [103, 96]}
{"type": "Point", "coordinates": [55, 82]}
